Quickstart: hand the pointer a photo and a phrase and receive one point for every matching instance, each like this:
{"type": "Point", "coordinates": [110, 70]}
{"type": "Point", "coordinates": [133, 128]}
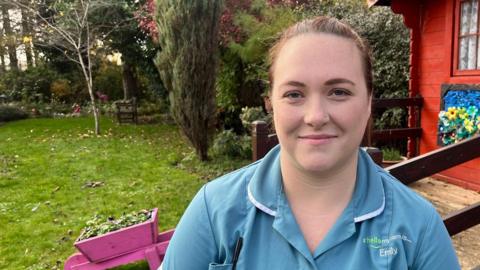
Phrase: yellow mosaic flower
{"type": "Point", "coordinates": [469, 129]}
{"type": "Point", "coordinates": [462, 113]}
{"type": "Point", "coordinates": [452, 113]}
{"type": "Point", "coordinates": [468, 125]}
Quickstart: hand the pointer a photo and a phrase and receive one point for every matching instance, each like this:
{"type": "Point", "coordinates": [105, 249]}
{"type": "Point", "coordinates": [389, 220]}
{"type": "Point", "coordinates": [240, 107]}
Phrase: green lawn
{"type": "Point", "coordinates": [46, 166]}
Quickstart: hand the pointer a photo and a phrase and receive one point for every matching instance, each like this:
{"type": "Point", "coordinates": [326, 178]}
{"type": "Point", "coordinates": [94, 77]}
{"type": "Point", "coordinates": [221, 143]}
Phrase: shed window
{"type": "Point", "coordinates": [468, 38]}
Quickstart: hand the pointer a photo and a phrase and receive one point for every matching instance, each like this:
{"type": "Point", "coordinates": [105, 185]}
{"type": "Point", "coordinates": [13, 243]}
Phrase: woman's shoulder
{"type": "Point", "coordinates": [229, 189]}
{"type": "Point", "coordinates": [408, 209]}
{"type": "Point", "coordinates": [414, 226]}
{"type": "Point", "coordinates": [232, 180]}
{"type": "Point", "coordinates": [404, 196]}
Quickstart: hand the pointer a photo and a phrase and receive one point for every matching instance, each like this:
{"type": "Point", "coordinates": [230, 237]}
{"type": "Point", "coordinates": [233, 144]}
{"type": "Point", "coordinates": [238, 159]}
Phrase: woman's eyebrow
{"type": "Point", "coordinates": [294, 83]}
{"type": "Point", "coordinates": [339, 81]}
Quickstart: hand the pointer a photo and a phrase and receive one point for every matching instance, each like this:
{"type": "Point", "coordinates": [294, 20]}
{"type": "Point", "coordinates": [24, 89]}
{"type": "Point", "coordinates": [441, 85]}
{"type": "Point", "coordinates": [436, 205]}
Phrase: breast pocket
{"type": "Point", "coordinates": [216, 266]}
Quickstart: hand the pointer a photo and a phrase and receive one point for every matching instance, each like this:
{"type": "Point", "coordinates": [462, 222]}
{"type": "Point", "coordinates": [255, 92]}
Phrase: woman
{"type": "Point", "coordinates": [316, 201]}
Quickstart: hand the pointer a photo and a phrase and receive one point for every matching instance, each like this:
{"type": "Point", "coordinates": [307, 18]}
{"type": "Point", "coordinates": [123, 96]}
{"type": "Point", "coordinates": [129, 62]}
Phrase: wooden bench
{"type": "Point", "coordinates": [126, 111]}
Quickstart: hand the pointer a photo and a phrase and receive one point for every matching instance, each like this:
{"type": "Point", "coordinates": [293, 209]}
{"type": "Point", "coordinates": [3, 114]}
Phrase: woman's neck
{"type": "Point", "coordinates": [318, 195]}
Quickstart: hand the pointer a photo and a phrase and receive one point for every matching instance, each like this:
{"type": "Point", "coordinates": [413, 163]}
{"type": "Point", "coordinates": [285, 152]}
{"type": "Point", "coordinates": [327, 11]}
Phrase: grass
{"type": "Point", "coordinates": [47, 167]}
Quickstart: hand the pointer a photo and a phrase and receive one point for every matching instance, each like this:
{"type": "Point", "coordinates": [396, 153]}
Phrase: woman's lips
{"type": "Point", "coordinates": [317, 139]}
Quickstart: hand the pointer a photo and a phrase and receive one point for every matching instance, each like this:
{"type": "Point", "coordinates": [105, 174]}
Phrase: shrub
{"type": "Point", "coordinates": [229, 144]}
{"type": "Point", "coordinates": [158, 106]}
{"type": "Point", "coordinates": [11, 113]}
{"type": "Point", "coordinates": [243, 67]}
{"type": "Point", "coordinates": [31, 85]}
{"type": "Point", "coordinates": [52, 109]}
{"type": "Point", "coordinates": [108, 81]}
{"type": "Point", "coordinates": [249, 115]}
{"type": "Point", "coordinates": [391, 118]}
{"type": "Point", "coordinates": [61, 89]}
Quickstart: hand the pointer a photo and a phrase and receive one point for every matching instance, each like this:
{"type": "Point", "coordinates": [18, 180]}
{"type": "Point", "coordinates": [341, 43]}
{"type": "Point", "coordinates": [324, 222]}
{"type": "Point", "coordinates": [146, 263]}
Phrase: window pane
{"type": "Point", "coordinates": [463, 54]}
{"type": "Point", "coordinates": [474, 17]}
{"type": "Point", "coordinates": [472, 50]}
{"type": "Point", "coordinates": [468, 45]}
{"type": "Point", "coordinates": [465, 17]}
{"type": "Point", "coordinates": [478, 55]}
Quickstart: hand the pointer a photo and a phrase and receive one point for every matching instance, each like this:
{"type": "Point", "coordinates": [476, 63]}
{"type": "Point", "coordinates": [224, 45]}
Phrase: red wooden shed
{"type": "Point", "coordinates": [444, 63]}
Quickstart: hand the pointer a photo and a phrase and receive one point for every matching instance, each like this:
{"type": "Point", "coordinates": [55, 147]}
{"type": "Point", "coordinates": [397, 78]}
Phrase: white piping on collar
{"type": "Point", "coordinates": [259, 205]}
{"type": "Point", "coordinates": [371, 214]}
{"type": "Point", "coordinates": [274, 213]}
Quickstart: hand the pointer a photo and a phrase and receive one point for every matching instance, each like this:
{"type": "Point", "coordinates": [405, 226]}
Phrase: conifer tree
{"type": "Point", "coordinates": [188, 37]}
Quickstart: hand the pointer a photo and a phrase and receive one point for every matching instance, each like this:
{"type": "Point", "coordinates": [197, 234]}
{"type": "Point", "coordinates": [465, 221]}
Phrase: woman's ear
{"type": "Point", "coordinates": [370, 103]}
{"type": "Point", "coordinates": [267, 103]}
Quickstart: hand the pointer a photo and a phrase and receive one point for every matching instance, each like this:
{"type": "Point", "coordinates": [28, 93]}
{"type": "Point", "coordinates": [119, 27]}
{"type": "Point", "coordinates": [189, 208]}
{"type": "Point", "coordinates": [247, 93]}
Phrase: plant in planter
{"type": "Point", "coordinates": [103, 239]}
{"type": "Point", "coordinates": [391, 156]}
{"type": "Point", "coordinates": [98, 225]}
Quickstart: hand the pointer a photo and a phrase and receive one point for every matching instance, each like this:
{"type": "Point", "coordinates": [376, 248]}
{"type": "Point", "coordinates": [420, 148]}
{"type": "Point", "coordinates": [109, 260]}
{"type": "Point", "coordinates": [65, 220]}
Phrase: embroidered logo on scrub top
{"type": "Point", "coordinates": [385, 246]}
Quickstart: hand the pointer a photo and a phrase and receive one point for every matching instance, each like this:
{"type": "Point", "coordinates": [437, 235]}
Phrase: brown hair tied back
{"type": "Point", "coordinates": [325, 25]}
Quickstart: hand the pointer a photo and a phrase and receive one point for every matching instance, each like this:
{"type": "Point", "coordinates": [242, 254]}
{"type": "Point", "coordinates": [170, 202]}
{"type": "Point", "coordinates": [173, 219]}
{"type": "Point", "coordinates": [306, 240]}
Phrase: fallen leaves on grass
{"type": "Point", "coordinates": [35, 208]}
{"type": "Point", "coordinates": [93, 184]}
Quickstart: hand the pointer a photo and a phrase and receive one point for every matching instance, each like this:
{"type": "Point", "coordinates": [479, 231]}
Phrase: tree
{"type": "Point", "coordinates": [2, 51]}
{"type": "Point", "coordinates": [188, 37]}
{"type": "Point", "coordinates": [136, 47]}
{"type": "Point", "coordinates": [10, 37]}
{"type": "Point", "coordinates": [27, 33]}
{"type": "Point", "coordinates": [69, 26]}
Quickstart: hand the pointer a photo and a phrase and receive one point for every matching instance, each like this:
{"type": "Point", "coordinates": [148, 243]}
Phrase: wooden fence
{"type": "Point", "coordinates": [436, 161]}
{"type": "Point", "coordinates": [413, 133]}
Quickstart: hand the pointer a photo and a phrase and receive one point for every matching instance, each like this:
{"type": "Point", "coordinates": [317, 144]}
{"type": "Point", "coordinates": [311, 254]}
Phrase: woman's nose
{"type": "Point", "coordinates": [316, 113]}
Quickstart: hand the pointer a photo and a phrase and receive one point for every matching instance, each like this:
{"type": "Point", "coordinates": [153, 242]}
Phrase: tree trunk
{"type": "Point", "coordinates": [11, 43]}
{"type": "Point", "coordinates": [94, 106]}
{"type": "Point", "coordinates": [86, 69]}
{"type": "Point", "coordinates": [26, 31]}
{"type": "Point", "coordinates": [130, 86]}
{"type": "Point", "coordinates": [2, 52]}
{"type": "Point", "coordinates": [2, 63]}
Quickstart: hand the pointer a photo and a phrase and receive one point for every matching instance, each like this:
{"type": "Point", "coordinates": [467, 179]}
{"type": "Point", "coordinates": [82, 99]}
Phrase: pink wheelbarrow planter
{"type": "Point", "coordinates": [138, 242]}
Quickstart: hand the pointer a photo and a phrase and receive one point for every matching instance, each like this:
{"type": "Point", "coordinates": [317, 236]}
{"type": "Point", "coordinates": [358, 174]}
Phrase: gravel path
{"type": "Point", "coordinates": [446, 198]}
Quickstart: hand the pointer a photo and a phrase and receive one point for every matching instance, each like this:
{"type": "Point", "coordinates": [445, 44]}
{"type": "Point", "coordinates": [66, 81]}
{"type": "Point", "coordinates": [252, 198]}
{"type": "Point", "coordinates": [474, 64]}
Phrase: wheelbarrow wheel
{"type": "Point", "coordinates": [73, 260]}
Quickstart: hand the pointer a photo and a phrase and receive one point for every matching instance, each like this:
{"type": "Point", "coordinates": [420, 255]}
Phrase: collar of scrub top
{"type": "Point", "coordinates": [368, 198]}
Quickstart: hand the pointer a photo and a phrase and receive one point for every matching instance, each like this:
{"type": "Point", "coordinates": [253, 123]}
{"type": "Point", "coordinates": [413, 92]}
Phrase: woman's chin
{"type": "Point", "coordinates": [316, 166]}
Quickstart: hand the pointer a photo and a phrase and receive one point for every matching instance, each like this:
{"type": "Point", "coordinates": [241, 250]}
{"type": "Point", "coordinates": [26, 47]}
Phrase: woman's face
{"type": "Point", "coordinates": [320, 102]}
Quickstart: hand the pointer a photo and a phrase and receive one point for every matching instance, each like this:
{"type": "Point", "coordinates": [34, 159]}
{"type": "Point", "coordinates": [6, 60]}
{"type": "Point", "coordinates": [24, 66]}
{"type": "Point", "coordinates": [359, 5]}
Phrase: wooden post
{"type": "Point", "coordinates": [375, 153]}
{"type": "Point", "coordinates": [413, 143]}
{"type": "Point", "coordinates": [260, 143]}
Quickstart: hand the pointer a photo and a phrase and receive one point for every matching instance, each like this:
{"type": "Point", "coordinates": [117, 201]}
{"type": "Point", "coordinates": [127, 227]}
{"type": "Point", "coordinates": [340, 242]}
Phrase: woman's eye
{"type": "Point", "coordinates": [293, 95]}
{"type": "Point", "coordinates": [338, 92]}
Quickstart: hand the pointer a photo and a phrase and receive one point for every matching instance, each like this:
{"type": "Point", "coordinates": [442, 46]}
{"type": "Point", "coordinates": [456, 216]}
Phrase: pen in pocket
{"type": "Point", "coordinates": [236, 253]}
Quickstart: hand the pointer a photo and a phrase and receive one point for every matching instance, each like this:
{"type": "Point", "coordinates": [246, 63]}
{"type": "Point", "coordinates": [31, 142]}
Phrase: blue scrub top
{"type": "Point", "coordinates": [385, 226]}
